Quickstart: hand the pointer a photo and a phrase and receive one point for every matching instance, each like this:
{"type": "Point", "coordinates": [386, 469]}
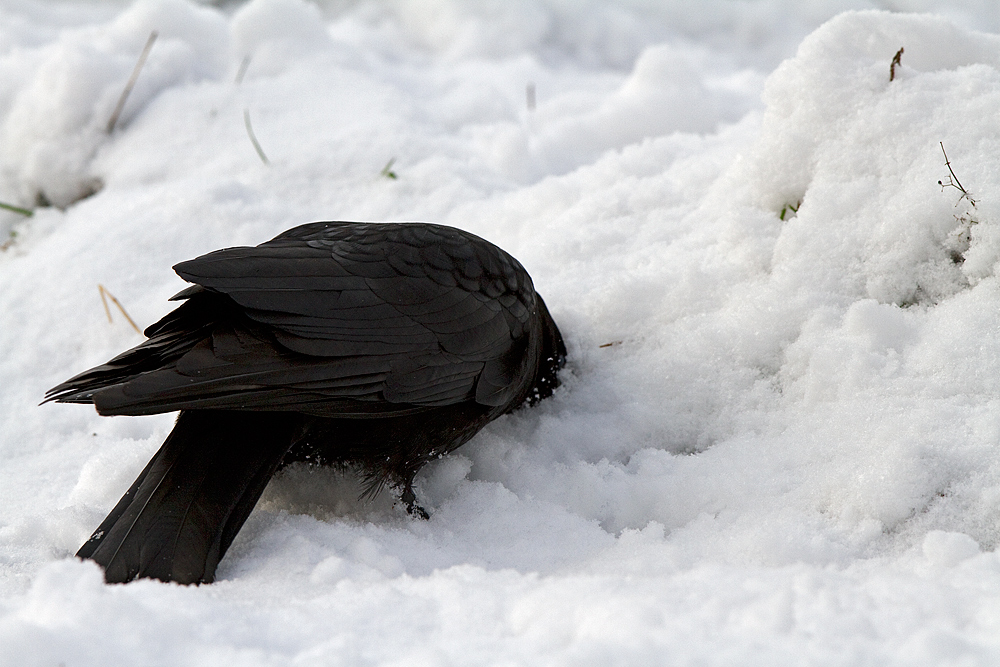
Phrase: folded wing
{"type": "Point", "coordinates": [334, 319]}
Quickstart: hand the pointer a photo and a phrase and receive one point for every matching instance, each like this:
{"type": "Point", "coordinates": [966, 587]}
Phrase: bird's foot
{"type": "Point", "coordinates": [410, 499]}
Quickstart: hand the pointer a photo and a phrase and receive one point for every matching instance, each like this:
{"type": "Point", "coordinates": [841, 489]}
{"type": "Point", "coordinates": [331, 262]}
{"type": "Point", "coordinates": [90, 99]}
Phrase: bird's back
{"type": "Point", "coordinates": [339, 319]}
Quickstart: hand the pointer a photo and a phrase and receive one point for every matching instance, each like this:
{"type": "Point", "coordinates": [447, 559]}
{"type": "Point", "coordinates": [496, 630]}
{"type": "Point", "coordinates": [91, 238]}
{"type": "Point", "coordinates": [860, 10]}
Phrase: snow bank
{"type": "Point", "coordinates": [54, 124]}
{"type": "Point", "coordinates": [776, 439]}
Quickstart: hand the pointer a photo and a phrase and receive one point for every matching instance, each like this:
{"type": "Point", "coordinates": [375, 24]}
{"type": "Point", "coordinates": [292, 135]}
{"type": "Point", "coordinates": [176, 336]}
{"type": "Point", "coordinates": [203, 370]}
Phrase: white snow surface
{"type": "Point", "coordinates": [778, 436]}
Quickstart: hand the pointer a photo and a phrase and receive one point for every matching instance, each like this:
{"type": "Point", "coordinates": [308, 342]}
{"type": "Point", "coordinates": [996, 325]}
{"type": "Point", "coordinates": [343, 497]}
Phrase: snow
{"type": "Point", "coordinates": [777, 438]}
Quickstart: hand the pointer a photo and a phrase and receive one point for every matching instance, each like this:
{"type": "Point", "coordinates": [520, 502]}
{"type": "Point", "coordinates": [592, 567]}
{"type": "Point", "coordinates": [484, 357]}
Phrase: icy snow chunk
{"type": "Point", "coordinates": [112, 469]}
{"type": "Point", "coordinates": [366, 551]}
{"type": "Point", "coordinates": [442, 478]}
{"type": "Point", "coordinates": [330, 570]}
{"type": "Point", "coordinates": [948, 549]}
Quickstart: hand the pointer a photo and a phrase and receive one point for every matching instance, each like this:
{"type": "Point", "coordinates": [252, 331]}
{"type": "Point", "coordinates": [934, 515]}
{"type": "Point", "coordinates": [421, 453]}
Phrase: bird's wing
{"type": "Point", "coordinates": [344, 318]}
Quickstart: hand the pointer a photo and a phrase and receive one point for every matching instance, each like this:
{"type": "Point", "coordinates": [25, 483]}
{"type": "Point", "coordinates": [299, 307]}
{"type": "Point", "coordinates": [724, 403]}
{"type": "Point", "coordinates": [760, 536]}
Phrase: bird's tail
{"type": "Point", "coordinates": [185, 508]}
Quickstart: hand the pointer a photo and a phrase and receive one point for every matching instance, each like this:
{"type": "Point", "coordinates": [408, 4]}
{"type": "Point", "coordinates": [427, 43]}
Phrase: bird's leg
{"type": "Point", "coordinates": [410, 499]}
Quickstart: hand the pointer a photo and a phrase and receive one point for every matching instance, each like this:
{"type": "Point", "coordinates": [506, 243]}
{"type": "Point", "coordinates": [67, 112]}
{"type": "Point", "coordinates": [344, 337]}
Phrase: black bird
{"type": "Point", "coordinates": [377, 346]}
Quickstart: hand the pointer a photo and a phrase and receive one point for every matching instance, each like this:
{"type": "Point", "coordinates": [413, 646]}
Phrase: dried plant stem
{"type": "Point", "coordinates": [896, 60]}
{"type": "Point", "coordinates": [253, 137]}
{"type": "Point", "coordinates": [131, 80]}
{"type": "Point", "coordinates": [953, 180]}
{"type": "Point", "coordinates": [242, 70]}
{"type": "Point", "coordinates": [105, 295]}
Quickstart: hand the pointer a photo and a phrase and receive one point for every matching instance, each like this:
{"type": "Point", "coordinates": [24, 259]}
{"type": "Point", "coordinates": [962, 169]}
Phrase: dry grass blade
{"type": "Point", "coordinates": [253, 137]}
{"type": "Point", "coordinates": [105, 295]}
{"type": "Point", "coordinates": [131, 80]}
{"type": "Point", "coordinates": [242, 70]}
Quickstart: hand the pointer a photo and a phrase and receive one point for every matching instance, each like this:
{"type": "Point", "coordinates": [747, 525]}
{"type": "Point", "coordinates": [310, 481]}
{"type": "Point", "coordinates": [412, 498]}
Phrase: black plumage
{"type": "Point", "coordinates": [372, 345]}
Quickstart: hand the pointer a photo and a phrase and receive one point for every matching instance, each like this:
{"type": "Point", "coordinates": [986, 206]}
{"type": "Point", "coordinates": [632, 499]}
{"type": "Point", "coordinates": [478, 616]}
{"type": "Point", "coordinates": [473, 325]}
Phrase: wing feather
{"type": "Point", "coordinates": [328, 316]}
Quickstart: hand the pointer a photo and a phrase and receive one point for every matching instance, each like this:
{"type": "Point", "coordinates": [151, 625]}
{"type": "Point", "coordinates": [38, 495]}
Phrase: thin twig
{"type": "Point", "coordinates": [253, 138]}
{"type": "Point", "coordinates": [105, 295]}
{"type": "Point", "coordinates": [387, 169]}
{"type": "Point", "coordinates": [17, 209]}
{"type": "Point", "coordinates": [953, 180]}
{"type": "Point", "coordinates": [896, 60]}
{"type": "Point", "coordinates": [242, 70]}
{"type": "Point", "coordinates": [131, 80]}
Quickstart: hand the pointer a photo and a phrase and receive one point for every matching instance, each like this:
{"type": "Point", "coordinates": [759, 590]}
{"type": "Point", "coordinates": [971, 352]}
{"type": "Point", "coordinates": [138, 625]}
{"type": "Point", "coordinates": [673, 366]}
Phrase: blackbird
{"type": "Point", "coordinates": [374, 346]}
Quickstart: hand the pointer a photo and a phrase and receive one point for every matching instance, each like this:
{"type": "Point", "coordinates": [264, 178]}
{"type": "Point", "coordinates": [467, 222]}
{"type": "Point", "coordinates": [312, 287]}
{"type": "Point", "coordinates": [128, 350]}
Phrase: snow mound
{"type": "Point", "coordinates": [52, 128]}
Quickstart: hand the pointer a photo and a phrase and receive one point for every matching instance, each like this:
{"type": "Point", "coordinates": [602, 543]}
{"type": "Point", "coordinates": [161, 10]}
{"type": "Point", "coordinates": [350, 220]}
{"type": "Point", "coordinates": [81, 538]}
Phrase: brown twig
{"type": "Point", "coordinates": [611, 344]}
{"type": "Point", "coordinates": [131, 80]}
{"type": "Point", "coordinates": [896, 60]}
{"type": "Point", "coordinates": [105, 295]}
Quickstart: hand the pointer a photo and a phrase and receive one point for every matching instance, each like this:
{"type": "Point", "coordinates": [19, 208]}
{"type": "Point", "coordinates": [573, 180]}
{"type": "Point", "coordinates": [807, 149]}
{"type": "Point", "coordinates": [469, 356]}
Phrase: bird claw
{"type": "Point", "coordinates": [412, 508]}
{"type": "Point", "coordinates": [418, 512]}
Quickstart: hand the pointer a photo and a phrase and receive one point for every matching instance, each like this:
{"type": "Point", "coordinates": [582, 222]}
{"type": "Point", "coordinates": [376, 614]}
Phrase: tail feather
{"type": "Point", "coordinates": [179, 517]}
{"type": "Point", "coordinates": [87, 550]}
